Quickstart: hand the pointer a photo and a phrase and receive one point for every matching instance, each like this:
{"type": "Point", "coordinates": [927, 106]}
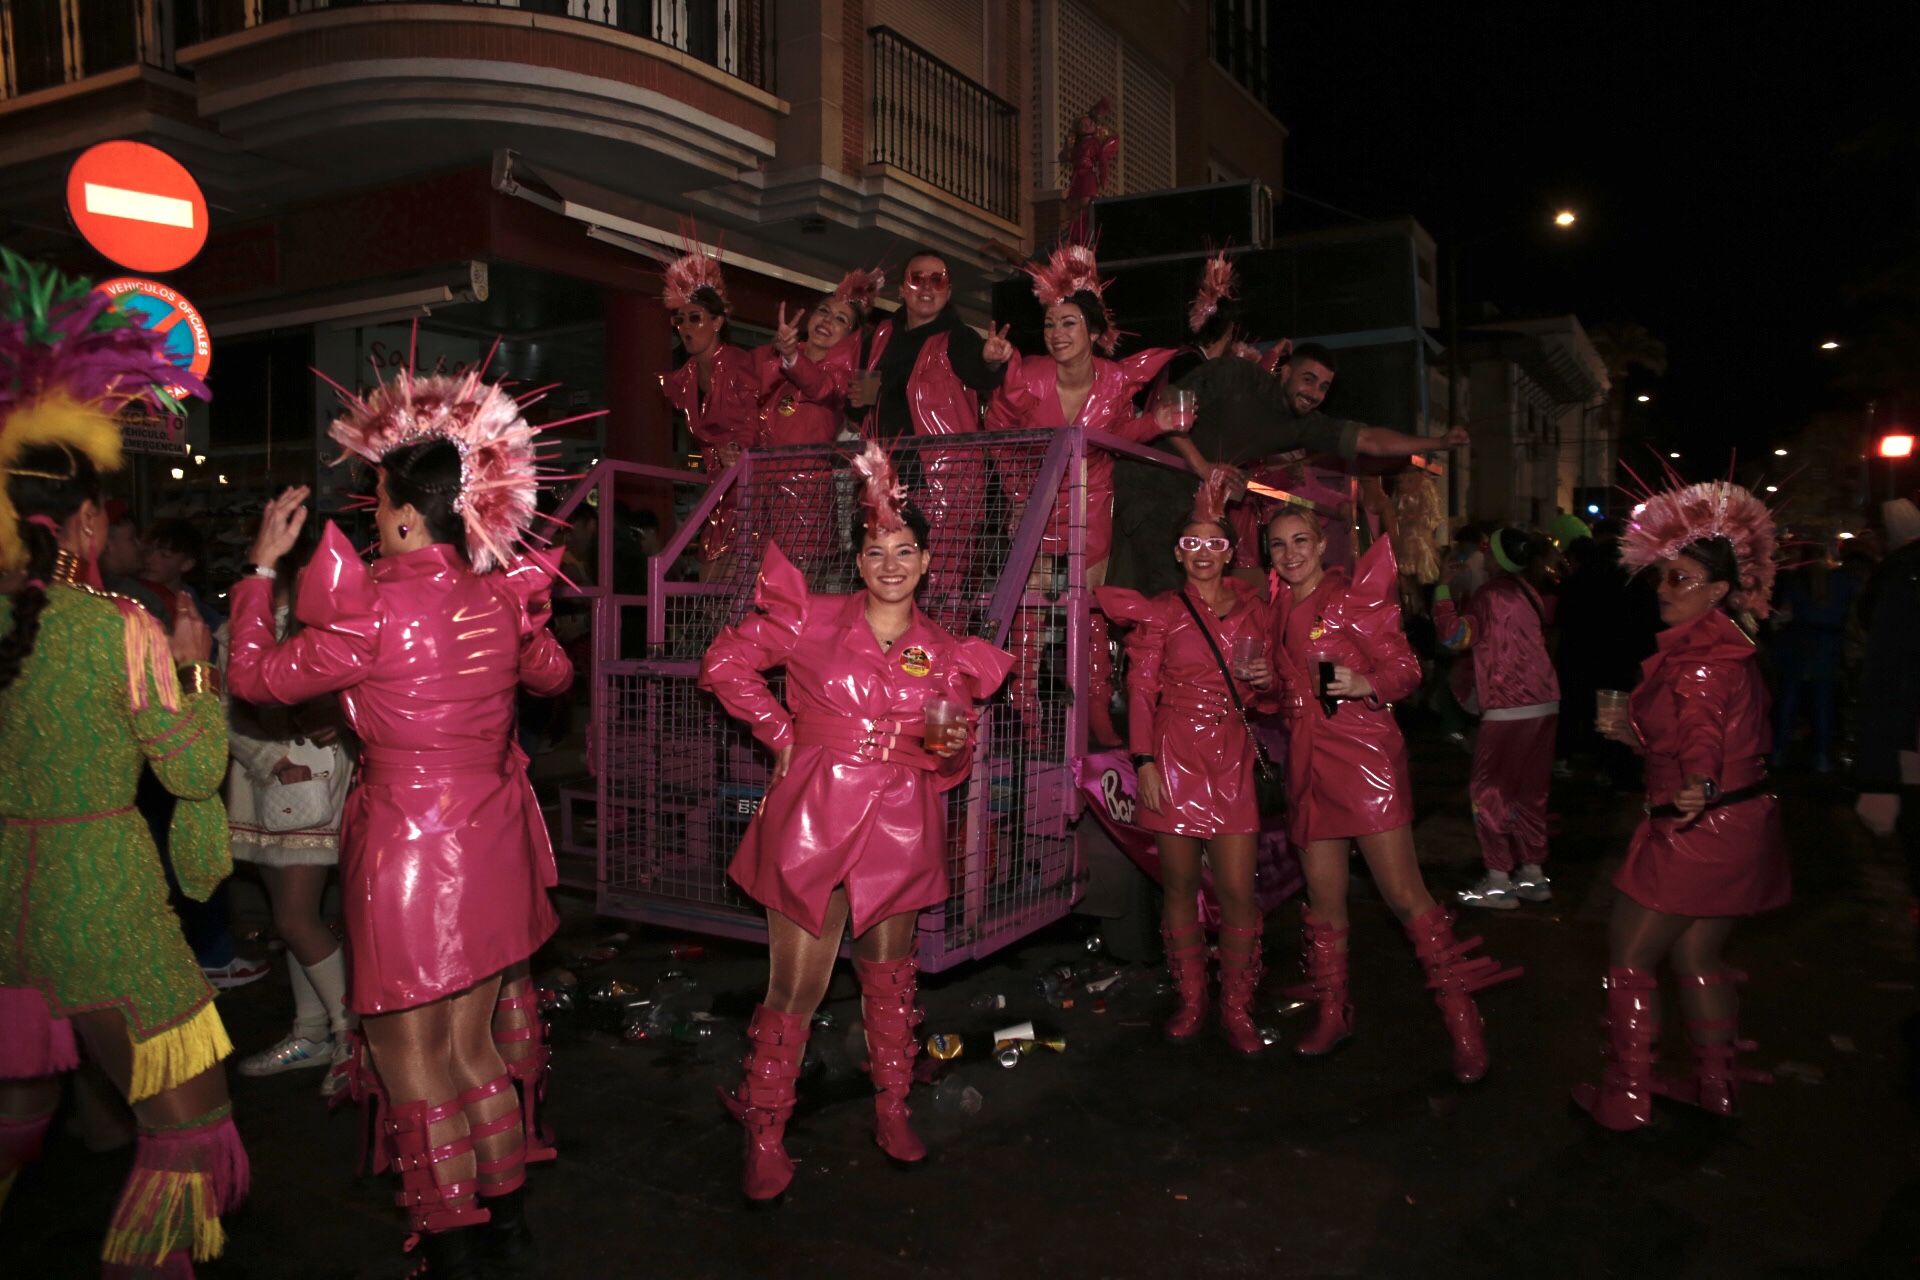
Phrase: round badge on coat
{"type": "Point", "coordinates": [1319, 629]}
{"type": "Point", "coordinates": [916, 661]}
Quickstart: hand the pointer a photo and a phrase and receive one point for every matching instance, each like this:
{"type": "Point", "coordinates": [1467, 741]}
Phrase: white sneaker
{"type": "Point", "coordinates": [1496, 895]}
{"type": "Point", "coordinates": [1531, 885]}
{"type": "Point", "coordinates": [335, 1081]}
{"type": "Point", "coordinates": [295, 1053]}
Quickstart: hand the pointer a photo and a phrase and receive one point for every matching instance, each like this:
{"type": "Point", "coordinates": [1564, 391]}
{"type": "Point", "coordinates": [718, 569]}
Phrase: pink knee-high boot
{"type": "Point", "coordinates": [886, 1006]}
{"type": "Point", "coordinates": [1324, 956]}
{"type": "Point", "coordinates": [763, 1100]}
{"type": "Point", "coordinates": [1187, 958]}
{"type": "Point", "coordinates": [1624, 1097]}
{"type": "Point", "coordinates": [1453, 976]}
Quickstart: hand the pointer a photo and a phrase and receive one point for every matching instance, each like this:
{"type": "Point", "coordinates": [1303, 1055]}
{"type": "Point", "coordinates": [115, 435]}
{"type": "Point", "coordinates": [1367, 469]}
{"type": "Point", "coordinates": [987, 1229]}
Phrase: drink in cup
{"type": "Point", "coordinates": [1180, 408]}
{"type": "Point", "coordinates": [946, 725]}
{"type": "Point", "coordinates": [1245, 652]}
{"type": "Point", "coordinates": [1610, 709]}
{"type": "Point", "coordinates": [866, 387]}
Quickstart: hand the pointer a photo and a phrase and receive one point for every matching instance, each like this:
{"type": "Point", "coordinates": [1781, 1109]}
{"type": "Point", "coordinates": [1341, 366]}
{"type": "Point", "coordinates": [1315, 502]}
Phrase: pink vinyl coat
{"type": "Point", "coordinates": [1502, 620]}
{"type": "Point", "coordinates": [803, 404]}
{"type": "Point", "coordinates": [1178, 710]}
{"type": "Point", "coordinates": [1346, 774]}
{"type": "Point", "coordinates": [444, 857]}
{"type": "Point", "coordinates": [729, 415]}
{"type": "Point", "coordinates": [1701, 710]}
{"type": "Point", "coordinates": [846, 814]}
{"type": "Point", "coordinates": [1029, 398]}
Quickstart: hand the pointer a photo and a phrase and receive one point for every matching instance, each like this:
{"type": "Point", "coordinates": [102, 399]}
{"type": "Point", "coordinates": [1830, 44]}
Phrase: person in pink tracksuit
{"type": "Point", "coordinates": [445, 860]}
{"type": "Point", "coordinates": [1712, 847]}
{"type": "Point", "coordinates": [1503, 625]}
{"type": "Point", "coordinates": [1195, 762]}
{"type": "Point", "coordinates": [853, 827]}
{"type": "Point", "coordinates": [1343, 660]}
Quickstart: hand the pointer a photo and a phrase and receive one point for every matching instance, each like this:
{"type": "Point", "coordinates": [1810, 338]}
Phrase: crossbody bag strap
{"type": "Point", "coordinates": [1214, 646]}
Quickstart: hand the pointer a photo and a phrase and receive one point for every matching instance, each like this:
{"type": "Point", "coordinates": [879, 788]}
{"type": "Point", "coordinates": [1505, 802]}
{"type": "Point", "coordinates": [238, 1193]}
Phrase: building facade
{"type": "Point", "coordinates": [1543, 442]}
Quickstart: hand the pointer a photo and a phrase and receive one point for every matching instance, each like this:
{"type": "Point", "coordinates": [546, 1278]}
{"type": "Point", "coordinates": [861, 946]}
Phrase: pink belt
{"type": "Point", "coordinates": [1214, 707]}
{"type": "Point", "coordinates": [389, 765]}
{"type": "Point", "coordinates": [873, 741]}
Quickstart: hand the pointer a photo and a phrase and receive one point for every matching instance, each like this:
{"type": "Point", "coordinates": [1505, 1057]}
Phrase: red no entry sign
{"type": "Point", "coordinates": [137, 206]}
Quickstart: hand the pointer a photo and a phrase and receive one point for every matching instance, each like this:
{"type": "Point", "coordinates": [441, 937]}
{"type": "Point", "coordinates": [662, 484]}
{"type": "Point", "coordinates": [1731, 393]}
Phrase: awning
{"type": "Point", "coordinates": [369, 302]}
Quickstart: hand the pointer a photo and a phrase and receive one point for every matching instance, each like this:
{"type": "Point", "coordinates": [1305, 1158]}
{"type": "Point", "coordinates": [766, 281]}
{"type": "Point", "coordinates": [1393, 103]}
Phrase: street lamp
{"type": "Point", "coordinates": [1896, 444]}
{"type": "Point", "coordinates": [1644, 398]}
{"type": "Point", "coordinates": [1829, 345]}
{"type": "Point", "coordinates": [1779, 453]}
{"type": "Point", "coordinates": [1563, 219]}
{"type": "Point", "coordinates": [1674, 454]}
{"type": "Point", "coordinates": [1773, 488]}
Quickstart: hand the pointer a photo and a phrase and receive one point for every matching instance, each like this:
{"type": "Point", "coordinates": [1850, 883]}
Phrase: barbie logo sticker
{"type": "Point", "coordinates": [916, 661]}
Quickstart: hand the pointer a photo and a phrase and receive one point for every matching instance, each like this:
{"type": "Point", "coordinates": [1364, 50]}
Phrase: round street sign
{"type": "Point", "coordinates": [164, 311]}
{"type": "Point", "coordinates": [137, 206]}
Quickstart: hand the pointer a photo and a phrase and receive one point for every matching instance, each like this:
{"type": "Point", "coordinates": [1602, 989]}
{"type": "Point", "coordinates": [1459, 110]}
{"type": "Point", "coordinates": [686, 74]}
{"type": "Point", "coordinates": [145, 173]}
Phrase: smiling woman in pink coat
{"type": "Point", "coordinates": [854, 821]}
{"type": "Point", "coordinates": [445, 860]}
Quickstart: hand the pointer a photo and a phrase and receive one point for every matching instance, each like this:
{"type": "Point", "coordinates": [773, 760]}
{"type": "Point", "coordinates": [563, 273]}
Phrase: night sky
{"type": "Point", "coordinates": [1746, 189]}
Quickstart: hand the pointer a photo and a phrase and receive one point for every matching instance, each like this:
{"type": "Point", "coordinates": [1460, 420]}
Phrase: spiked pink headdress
{"type": "Point", "coordinates": [861, 287]}
{"type": "Point", "coordinates": [1068, 270]}
{"type": "Point", "coordinates": [696, 269]}
{"type": "Point", "coordinates": [1210, 501]}
{"type": "Point", "coordinates": [499, 473]}
{"type": "Point", "coordinates": [1216, 285]}
{"type": "Point", "coordinates": [1670, 521]}
{"type": "Point", "coordinates": [882, 495]}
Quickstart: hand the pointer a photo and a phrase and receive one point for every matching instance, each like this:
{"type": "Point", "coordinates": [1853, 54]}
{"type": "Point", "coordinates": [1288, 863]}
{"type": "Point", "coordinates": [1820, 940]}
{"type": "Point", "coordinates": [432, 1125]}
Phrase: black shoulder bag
{"type": "Point", "coordinates": [1264, 772]}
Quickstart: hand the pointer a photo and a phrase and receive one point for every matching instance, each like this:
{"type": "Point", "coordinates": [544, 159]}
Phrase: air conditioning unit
{"type": "Point", "coordinates": [1184, 222]}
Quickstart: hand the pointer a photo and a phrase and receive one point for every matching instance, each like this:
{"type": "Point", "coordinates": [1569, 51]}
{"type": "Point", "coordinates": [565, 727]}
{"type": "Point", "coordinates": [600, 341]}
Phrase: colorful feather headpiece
{"type": "Point", "coordinates": [1670, 521]}
{"type": "Point", "coordinates": [1210, 500]}
{"type": "Point", "coordinates": [861, 287]}
{"type": "Point", "coordinates": [1216, 285]}
{"type": "Point", "coordinates": [882, 494]}
{"type": "Point", "coordinates": [69, 360]}
{"type": "Point", "coordinates": [499, 470]}
{"type": "Point", "coordinates": [695, 269]}
{"type": "Point", "coordinates": [1068, 270]}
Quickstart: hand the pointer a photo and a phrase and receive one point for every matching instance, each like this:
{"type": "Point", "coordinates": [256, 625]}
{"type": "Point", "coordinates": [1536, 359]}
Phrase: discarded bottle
{"type": "Point", "coordinates": [687, 951]}
{"type": "Point", "coordinates": [955, 1097]}
{"type": "Point", "coordinates": [987, 1002]}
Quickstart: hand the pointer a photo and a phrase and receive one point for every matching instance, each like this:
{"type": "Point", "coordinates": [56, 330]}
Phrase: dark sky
{"type": "Point", "coordinates": [1737, 181]}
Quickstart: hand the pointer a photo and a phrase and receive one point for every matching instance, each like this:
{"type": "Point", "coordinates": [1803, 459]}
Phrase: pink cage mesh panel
{"type": "Point", "coordinates": [681, 779]}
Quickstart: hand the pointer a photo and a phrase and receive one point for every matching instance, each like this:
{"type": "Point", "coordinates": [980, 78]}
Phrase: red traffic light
{"type": "Point", "coordinates": [1896, 444]}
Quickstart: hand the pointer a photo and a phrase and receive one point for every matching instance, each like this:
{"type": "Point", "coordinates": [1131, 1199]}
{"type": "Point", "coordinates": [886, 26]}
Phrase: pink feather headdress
{"type": "Point", "coordinates": [1210, 501]}
{"type": "Point", "coordinates": [1670, 521]}
{"type": "Point", "coordinates": [696, 269]}
{"type": "Point", "coordinates": [861, 287]}
{"type": "Point", "coordinates": [882, 494]}
{"type": "Point", "coordinates": [1216, 284]}
{"type": "Point", "coordinates": [499, 472]}
{"type": "Point", "coordinates": [1068, 270]}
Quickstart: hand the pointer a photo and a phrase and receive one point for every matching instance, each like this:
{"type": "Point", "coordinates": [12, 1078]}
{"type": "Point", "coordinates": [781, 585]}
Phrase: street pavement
{"type": "Point", "coordinates": [1123, 1156]}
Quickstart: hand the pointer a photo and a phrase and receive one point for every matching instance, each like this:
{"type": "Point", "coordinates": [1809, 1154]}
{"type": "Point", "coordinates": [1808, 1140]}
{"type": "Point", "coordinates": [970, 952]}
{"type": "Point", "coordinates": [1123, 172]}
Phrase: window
{"type": "Point", "coordinates": [1238, 32]}
{"type": "Point", "coordinates": [1092, 63]}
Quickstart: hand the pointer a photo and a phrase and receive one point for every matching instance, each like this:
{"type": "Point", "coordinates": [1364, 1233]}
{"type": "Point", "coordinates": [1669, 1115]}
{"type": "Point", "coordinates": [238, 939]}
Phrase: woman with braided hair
{"type": "Point", "coordinates": [1711, 847]}
{"type": "Point", "coordinates": [445, 859]}
{"type": "Point", "coordinates": [90, 689]}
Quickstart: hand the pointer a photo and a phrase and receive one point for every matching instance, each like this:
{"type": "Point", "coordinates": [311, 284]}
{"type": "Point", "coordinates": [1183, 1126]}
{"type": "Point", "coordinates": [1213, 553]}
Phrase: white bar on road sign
{"type": "Point", "coordinates": [141, 206]}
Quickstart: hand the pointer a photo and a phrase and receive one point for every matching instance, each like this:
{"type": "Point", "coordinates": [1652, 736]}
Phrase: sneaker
{"type": "Point", "coordinates": [339, 1069]}
{"type": "Point", "coordinates": [1531, 885]}
{"type": "Point", "coordinates": [295, 1053]}
{"type": "Point", "coordinates": [237, 972]}
{"type": "Point", "coordinates": [1562, 768]}
{"type": "Point", "coordinates": [1494, 894]}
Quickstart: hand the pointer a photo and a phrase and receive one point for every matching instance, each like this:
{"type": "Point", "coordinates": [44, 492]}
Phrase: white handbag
{"type": "Point", "coordinates": [315, 803]}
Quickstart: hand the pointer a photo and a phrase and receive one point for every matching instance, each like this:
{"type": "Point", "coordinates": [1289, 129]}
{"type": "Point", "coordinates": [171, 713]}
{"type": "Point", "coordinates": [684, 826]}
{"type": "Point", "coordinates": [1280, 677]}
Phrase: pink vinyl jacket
{"type": "Point", "coordinates": [1346, 773]}
{"type": "Point", "coordinates": [1701, 710]}
{"type": "Point", "coordinates": [1178, 710]}
{"type": "Point", "coordinates": [1502, 621]}
{"type": "Point", "coordinates": [729, 415]}
{"type": "Point", "coordinates": [802, 404]}
{"type": "Point", "coordinates": [1029, 397]}
{"type": "Point", "coordinates": [860, 805]}
{"type": "Point", "coordinates": [444, 857]}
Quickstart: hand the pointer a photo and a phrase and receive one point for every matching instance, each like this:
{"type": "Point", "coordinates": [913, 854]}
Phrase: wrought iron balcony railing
{"type": "Point", "coordinates": [932, 122]}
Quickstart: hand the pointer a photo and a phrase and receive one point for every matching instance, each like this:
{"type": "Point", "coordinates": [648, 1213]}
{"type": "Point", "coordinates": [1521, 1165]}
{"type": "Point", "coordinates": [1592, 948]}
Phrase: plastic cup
{"type": "Point", "coordinates": [1182, 407]}
{"type": "Point", "coordinates": [1610, 708]}
{"type": "Point", "coordinates": [946, 725]}
{"type": "Point", "coordinates": [868, 380]}
{"type": "Point", "coordinates": [1244, 653]}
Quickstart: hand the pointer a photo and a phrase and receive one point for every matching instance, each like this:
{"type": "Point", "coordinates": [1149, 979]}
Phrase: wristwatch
{"type": "Point", "coordinates": [1143, 759]}
{"type": "Point", "coordinates": [262, 571]}
{"type": "Point", "coordinates": [1712, 790]}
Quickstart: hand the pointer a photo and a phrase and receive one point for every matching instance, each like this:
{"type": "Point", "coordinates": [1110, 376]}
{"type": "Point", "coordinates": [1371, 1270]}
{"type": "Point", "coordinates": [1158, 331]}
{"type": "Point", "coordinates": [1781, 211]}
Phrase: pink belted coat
{"type": "Point", "coordinates": [1178, 710]}
{"type": "Point", "coordinates": [860, 805]}
{"type": "Point", "coordinates": [444, 857]}
{"type": "Point", "coordinates": [728, 415]}
{"type": "Point", "coordinates": [1346, 773]}
{"type": "Point", "coordinates": [1029, 398]}
{"type": "Point", "coordinates": [1701, 710]}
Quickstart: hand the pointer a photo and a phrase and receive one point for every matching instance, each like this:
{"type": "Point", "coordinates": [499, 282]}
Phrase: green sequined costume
{"type": "Point", "coordinates": [81, 885]}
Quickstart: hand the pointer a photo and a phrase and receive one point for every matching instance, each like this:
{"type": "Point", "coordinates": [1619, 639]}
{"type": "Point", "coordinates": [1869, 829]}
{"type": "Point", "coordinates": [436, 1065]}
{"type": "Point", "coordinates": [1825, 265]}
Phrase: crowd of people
{"type": "Point", "coordinates": [369, 717]}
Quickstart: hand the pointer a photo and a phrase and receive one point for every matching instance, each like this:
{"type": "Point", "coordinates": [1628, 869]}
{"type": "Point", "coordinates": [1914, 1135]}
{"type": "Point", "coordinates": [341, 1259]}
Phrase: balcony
{"type": "Point", "coordinates": [734, 36]}
{"type": "Point", "coordinates": [48, 43]}
{"type": "Point", "coordinates": [932, 123]}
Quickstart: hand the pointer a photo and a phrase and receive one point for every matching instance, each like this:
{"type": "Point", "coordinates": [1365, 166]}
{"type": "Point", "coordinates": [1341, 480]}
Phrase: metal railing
{"type": "Point", "coordinates": [734, 36]}
{"type": "Point", "coordinates": [44, 43]}
{"type": "Point", "coordinates": [929, 120]}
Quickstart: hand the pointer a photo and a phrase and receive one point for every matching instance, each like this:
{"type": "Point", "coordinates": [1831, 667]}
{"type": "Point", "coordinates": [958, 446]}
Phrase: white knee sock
{"type": "Point", "coordinates": [309, 1014]}
{"type": "Point", "coordinates": [329, 979]}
